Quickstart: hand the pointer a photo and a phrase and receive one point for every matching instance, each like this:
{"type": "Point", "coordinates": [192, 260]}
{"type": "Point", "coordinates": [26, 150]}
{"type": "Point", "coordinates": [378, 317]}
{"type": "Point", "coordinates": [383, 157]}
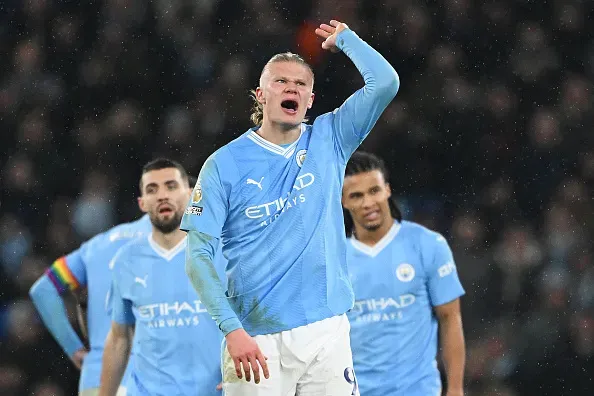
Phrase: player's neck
{"type": "Point", "coordinates": [275, 133]}
{"type": "Point", "coordinates": [372, 237]}
{"type": "Point", "coordinates": [170, 240]}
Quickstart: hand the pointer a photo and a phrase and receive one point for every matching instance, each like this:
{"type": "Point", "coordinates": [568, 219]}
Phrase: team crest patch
{"type": "Point", "coordinates": [300, 157]}
{"type": "Point", "coordinates": [405, 272]}
{"type": "Point", "coordinates": [197, 193]}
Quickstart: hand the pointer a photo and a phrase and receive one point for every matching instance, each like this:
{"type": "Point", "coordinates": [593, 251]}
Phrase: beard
{"type": "Point", "coordinates": [372, 227]}
{"type": "Point", "coordinates": [166, 226]}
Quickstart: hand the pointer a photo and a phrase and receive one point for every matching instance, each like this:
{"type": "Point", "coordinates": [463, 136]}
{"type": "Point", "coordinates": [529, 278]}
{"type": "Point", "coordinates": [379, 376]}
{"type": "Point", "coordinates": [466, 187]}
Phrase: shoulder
{"type": "Point", "coordinates": [322, 122]}
{"type": "Point", "coordinates": [421, 234]}
{"type": "Point", "coordinates": [231, 149]}
{"type": "Point", "coordinates": [218, 162]}
{"type": "Point", "coordinates": [126, 253]}
{"type": "Point", "coordinates": [127, 231]}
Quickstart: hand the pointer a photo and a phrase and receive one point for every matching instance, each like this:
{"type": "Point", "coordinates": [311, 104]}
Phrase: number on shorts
{"type": "Point", "coordinates": [349, 376]}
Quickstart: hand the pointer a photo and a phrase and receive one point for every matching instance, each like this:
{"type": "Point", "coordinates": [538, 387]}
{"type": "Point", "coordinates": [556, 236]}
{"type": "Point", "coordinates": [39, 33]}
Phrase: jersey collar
{"type": "Point", "coordinates": [373, 251]}
{"type": "Point", "coordinates": [167, 254]}
{"type": "Point", "coordinates": [275, 148]}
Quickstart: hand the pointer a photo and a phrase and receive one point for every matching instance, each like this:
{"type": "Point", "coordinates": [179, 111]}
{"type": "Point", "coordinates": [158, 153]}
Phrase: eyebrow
{"type": "Point", "coordinates": [289, 79]}
{"type": "Point", "coordinates": [167, 183]}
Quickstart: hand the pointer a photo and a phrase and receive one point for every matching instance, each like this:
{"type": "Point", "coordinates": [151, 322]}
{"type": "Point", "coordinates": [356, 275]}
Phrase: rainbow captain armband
{"type": "Point", "coordinates": [61, 276]}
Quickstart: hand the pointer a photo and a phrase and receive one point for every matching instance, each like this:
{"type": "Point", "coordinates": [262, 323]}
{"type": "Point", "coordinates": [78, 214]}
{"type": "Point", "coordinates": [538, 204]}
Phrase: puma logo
{"type": "Point", "coordinates": [142, 281]}
{"type": "Point", "coordinates": [259, 184]}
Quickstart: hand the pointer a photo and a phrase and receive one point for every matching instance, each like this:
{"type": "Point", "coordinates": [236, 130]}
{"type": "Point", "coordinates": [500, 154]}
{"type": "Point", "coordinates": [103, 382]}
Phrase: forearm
{"type": "Point", "coordinates": [52, 311]}
{"type": "Point", "coordinates": [206, 281]}
{"type": "Point", "coordinates": [115, 358]}
{"type": "Point", "coordinates": [453, 351]}
{"type": "Point", "coordinates": [381, 80]}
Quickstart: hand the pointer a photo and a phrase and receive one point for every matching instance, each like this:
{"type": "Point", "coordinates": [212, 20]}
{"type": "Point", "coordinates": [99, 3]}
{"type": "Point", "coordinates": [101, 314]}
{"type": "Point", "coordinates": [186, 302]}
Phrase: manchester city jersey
{"type": "Point", "coordinates": [393, 328]}
{"type": "Point", "coordinates": [88, 267]}
{"type": "Point", "coordinates": [278, 209]}
{"type": "Point", "coordinates": [177, 344]}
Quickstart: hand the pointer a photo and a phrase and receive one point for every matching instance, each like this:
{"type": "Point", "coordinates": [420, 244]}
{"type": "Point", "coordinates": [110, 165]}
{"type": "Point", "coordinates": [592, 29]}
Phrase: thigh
{"type": "Point", "coordinates": [278, 383]}
{"type": "Point", "coordinates": [331, 373]}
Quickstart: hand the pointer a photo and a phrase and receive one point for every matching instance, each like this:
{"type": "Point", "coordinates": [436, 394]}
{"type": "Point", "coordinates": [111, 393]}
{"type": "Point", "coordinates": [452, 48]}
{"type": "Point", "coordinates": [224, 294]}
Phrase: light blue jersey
{"type": "Point", "coordinates": [277, 210]}
{"type": "Point", "coordinates": [177, 345]}
{"type": "Point", "coordinates": [393, 328]}
{"type": "Point", "coordinates": [87, 267]}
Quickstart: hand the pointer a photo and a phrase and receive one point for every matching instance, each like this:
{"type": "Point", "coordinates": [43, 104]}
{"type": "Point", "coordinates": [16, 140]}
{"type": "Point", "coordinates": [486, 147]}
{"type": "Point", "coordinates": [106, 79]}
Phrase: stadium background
{"type": "Point", "coordinates": [489, 141]}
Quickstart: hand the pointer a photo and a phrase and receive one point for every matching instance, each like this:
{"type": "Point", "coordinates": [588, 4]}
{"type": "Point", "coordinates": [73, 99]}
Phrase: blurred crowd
{"type": "Point", "coordinates": [489, 142]}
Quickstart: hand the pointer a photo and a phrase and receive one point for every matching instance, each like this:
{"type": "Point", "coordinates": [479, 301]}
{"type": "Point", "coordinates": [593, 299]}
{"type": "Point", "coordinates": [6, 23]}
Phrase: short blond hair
{"type": "Point", "coordinates": [257, 115]}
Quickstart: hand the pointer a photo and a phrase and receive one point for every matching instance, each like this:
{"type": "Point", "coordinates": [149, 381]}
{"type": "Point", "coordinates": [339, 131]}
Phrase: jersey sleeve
{"type": "Point", "coordinates": [355, 118]}
{"type": "Point", "coordinates": [209, 205]}
{"type": "Point", "coordinates": [69, 272]}
{"type": "Point", "coordinates": [443, 282]}
{"type": "Point", "coordinates": [119, 307]}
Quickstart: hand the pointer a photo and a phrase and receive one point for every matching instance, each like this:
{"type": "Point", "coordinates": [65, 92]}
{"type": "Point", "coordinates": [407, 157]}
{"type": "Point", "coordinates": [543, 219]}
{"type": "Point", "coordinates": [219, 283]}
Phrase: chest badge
{"type": "Point", "coordinates": [405, 272]}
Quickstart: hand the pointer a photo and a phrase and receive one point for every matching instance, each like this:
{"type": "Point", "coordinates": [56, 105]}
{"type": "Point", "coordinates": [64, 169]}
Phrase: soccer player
{"type": "Point", "coordinates": [176, 343]}
{"type": "Point", "coordinates": [86, 267]}
{"type": "Point", "coordinates": [272, 197]}
{"type": "Point", "coordinates": [406, 287]}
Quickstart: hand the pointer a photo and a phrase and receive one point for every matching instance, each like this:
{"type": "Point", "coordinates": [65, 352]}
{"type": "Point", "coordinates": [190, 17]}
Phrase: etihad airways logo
{"type": "Point", "coordinates": [381, 309]}
{"type": "Point", "coordinates": [172, 314]}
{"type": "Point", "coordinates": [282, 203]}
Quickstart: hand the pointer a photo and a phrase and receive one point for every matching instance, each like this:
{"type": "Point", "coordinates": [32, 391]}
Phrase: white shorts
{"type": "Point", "coordinates": [312, 360]}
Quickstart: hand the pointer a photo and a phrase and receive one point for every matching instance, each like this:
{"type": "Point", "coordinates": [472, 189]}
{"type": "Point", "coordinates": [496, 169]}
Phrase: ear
{"type": "Point", "coordinates": [311, 100]}
{"type": "Point", "coordinates": [141, 205]}
{"type": "Point", "coordinates": [389, 190]}
{"type": "Point", "coordinates": [260, 96]}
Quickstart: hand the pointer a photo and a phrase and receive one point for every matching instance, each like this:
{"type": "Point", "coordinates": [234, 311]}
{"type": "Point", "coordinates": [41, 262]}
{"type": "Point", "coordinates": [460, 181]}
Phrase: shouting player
{"type": "Point", "coordinates": [273, 198]}
{"type": "Point", "coordinates": [406, 287]}
{"type": "Point", "coordinates": [176, 343]}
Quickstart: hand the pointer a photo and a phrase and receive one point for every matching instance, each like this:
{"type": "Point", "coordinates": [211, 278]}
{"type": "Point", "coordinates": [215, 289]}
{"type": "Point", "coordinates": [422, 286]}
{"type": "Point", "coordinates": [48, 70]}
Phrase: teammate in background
{"type": "Point", "coordinates": [406, 287]}
{"type": "Point", "coordinates": [86, 267]}
{"type": "Point", "coordinates": [272, 197]}
{"type": "Point", "coordinates": [176, 343]}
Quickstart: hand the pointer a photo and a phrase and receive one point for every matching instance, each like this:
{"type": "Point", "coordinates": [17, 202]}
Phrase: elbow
{"type": "Point", "coordinates": [193, 272]}
{"type": "Point", "coordinates": [390, 85]}
{"type": "Point", "coordinates": [38, 287]}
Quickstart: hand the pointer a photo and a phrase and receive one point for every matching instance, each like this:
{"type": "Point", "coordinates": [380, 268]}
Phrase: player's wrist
{"type": "Point", "coordinates": [229, 325]}
{"type": "Point", "coordinates": [343, 37]}
{"type": "Point", "coordinates": [73, 347]}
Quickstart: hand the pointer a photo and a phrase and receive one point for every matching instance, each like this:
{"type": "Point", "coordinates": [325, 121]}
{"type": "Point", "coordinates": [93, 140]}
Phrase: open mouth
{"type": "Point", "coordinates": [165, 209]}
{"type": "Point", "coordinates": [290, 106]}
{"type": "Point", "coordinates": [372, 215]}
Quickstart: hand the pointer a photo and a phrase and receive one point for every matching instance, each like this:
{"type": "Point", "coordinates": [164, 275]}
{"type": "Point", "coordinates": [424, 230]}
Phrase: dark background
{"type": "Point", "coordinates": [489, 142]}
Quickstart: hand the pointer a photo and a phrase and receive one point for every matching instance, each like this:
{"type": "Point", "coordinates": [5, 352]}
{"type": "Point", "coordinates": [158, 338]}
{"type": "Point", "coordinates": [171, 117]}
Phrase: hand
{"type": "Point", "coordinates": [329, 33]}
{"type": "Point", "coordinates": [78, 357]}
{"type": "Point", "coordinates": [220, 386]}
{"type": "Point", "coordinates": [245, 352]}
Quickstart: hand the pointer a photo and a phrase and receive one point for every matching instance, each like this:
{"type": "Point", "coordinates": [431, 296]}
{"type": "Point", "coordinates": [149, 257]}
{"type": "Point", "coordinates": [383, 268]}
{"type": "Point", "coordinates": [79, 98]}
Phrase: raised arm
{"type": "Point", "coordinates": [355, 118]}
